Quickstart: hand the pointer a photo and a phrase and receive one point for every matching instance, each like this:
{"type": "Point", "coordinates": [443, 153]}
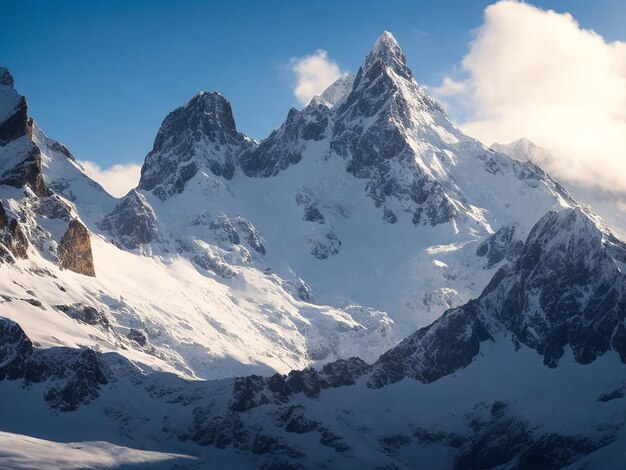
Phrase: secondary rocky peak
{"type": "Point", "coordinates": [207, 113]}
{"type": "Point", "coordinates": [6, 79]}
{"type": "Point", "coordinates": [200, 134]}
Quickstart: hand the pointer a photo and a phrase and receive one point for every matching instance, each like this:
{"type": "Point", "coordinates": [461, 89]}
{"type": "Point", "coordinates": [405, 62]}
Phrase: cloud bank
{"type": "Point", "coordinates": [314, 73]}
{"type": "Point", "coordinates": [537, 74]}
{"type": "Point", "coordinates": [117, 179]}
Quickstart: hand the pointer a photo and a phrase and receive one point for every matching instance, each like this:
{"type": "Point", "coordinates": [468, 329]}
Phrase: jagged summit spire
{"type": "Point", "coordinates": [386, 51]}
{"type": "Point", "coordinates": [6, 79]}
{"type": "Point", "coordinates": [386, 43]}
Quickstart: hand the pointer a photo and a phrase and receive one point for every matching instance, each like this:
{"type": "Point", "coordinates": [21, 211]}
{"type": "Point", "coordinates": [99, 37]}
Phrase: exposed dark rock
{"type": "Point", "coordinates": [17, 124]}
{"type": "Point", "coordinates": [499, 246]}
{"type": "Point", "coordinates": [6, 79]}
{"type": "Point", "coordinates": [380, 152]}
{"type": "Point", "coordinates": [27, 172]}
{"type": "Point", "coordinates": [564, 260]}
{"type": "Point", "coordinates": [264, 444]}
{"type": "Point", "coordinates": [200, 134]}
{"type": "Point", "coordinates": [556, 451]}
{"type": "Point", "coordinates": [16, 241]}
{"type": "Point", "coordinates": [85, 314]}
{"type": "Point", "coordinates": [299, 289]}
{"type": "Point", "coordinates": [132, 222]}
{"type": "Point", "coordinates": [285, 145]}
{"type": "Point", "coordinates": [75, 250]}
{"type": "Point", "coordinates": [249, 392]}
{"type": "Point", "coordinates": [137, 336]}
{"type": "Point", "coordinates": [250, 234]}
{"type": "Point", "coordinates": [394, 442]}
{"type": "Point", "coordinates": [224, 230]}
{"type": "Point", "coordinates": [614, 394]}
{"type": "Point", "coordinates": [307, 381]}
{"type": "Point", "coordinates": [332, 440]}
{"type": "Point", "coordinates": [324, 246]}
{"type": "Point", "coordinates": [312, 214]}
{"type": "Point", "coordinates": [345, 371]}
{"type": "Point", "coordinates": [568, 265]}
{"type": "Point", "coordinates": [218, 431]}
{"type": "Point", "coordinates": [71, 377]}
{"type": "Point", "coordinates": [449, 344]}
{"type": "Point", "coordinates": [4, 221]}
{"type": "Point", "coordinates": [293, 419]}
{"type": "Point", "coordinates": [498, 443]}
{"type": "Point", "coordinates": [60, 148]}
{"type": "Point", "coordinates": [213, 264]}
{"type": "Point", "coordinates": [53, 207]}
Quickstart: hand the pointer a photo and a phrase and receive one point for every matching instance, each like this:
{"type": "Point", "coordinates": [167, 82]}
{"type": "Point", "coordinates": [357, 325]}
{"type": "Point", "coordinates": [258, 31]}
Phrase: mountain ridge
{"type": "Point", "coordinates": [289, 270]}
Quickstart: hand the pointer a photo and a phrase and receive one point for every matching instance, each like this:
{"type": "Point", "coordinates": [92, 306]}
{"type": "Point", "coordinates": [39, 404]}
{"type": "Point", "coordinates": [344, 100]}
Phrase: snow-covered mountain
{"type": "Point", "coordinates": [513, 379]}
{"type": "Point", "coordinates": [609, 203]}
{"type": "Point", "coordinates": [359, 221]}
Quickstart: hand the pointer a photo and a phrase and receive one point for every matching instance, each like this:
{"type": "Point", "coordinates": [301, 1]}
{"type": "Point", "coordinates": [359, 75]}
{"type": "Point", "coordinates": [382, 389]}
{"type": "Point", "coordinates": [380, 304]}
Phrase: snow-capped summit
{"type": "Point", "coordinates": [200, 135]}
{"type": "Point", "coordinates": [387, 52]}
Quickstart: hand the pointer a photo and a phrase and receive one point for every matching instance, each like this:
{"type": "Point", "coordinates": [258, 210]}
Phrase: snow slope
{"type": "Point", "coordinates": [363, 217]}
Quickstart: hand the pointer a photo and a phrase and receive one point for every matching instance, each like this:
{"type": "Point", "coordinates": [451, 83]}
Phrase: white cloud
{"type": "Point", "coordinates": [537, 74]}
{"type": "Point", "coordinates": [117, 179]}
{"type": "Point", "coordinates": [450, 87]}
{"type": "Point", "coordinates": [314, 73]}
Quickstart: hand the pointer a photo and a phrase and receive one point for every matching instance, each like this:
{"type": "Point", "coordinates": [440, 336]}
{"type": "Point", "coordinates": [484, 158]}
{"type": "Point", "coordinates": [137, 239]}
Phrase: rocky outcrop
{"type": "Point", "coordinates": [4, 221]}
{"type": "Point", "coordinates": [16, 241]}
{"type": "Point", "coordinates": [132, 222]}
{"type": "Point", "coordinates": [69, 377]}
{"type": "Point", "coordinates": [75, 250]}
{"type": "Point", "coordinates": [564, 290]}
{"type": "Point", "coordinates": [27, 172]}
{"type": "Point", "coordinates": [499, 246]}
{"type": "Point", "coordinates": [505, 439]}
{"type": "Point", "coordinates": [285, 145]}
{"type": "Point", "coordinates": [25, 167]}
{"type": "Point", "coordinates": [12, 237]}
{"type": "Point", "coordinates": [86, 314]}
{"type": "Point", "coordinates": [14, 120]}
{"type": "Point", "coordinates": [201, 134]}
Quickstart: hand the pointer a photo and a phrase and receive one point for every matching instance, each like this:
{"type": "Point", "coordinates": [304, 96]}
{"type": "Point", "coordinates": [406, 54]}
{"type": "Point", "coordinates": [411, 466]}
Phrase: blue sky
{"type": "Point", "coordinates": [100, 76]}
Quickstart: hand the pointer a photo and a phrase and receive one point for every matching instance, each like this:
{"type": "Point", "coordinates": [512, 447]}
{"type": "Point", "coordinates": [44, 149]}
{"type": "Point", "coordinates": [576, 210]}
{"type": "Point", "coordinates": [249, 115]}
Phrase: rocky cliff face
{"type": "Point", "coordinates": [199, 135]}
{"type": "Point", "coordinates": [132, 223]}
{"type": "Point", "coordinates": [12, 237]}
{"type": "Point", "coordinates": [75, 250]}
{"type": "Point", "coordinates": [22, 158]}
{"type": "Point", "coordinates": [567, 289]}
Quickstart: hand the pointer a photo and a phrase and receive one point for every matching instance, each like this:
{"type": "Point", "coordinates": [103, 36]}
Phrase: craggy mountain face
{"type": "Point", "coordinates": [479, 388]}
{"type": "Point", "coordinates": [565, 290]}
{"type": "Point", "coordinates": [373, 162]}
{"type": "Point", "coordinates": [198, 136]}
{"type": "Point", "coordinates": [365, 218]}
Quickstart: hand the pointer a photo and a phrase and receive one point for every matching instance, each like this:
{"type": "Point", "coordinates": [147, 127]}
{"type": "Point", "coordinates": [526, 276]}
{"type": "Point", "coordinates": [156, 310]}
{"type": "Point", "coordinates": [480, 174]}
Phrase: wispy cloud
{"type": "Point", "coordinates": [314, 73]}
{"type": "Point", "coordinates": [537, 74]}
{"type": "Point", "coordinates": [117, 179]}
